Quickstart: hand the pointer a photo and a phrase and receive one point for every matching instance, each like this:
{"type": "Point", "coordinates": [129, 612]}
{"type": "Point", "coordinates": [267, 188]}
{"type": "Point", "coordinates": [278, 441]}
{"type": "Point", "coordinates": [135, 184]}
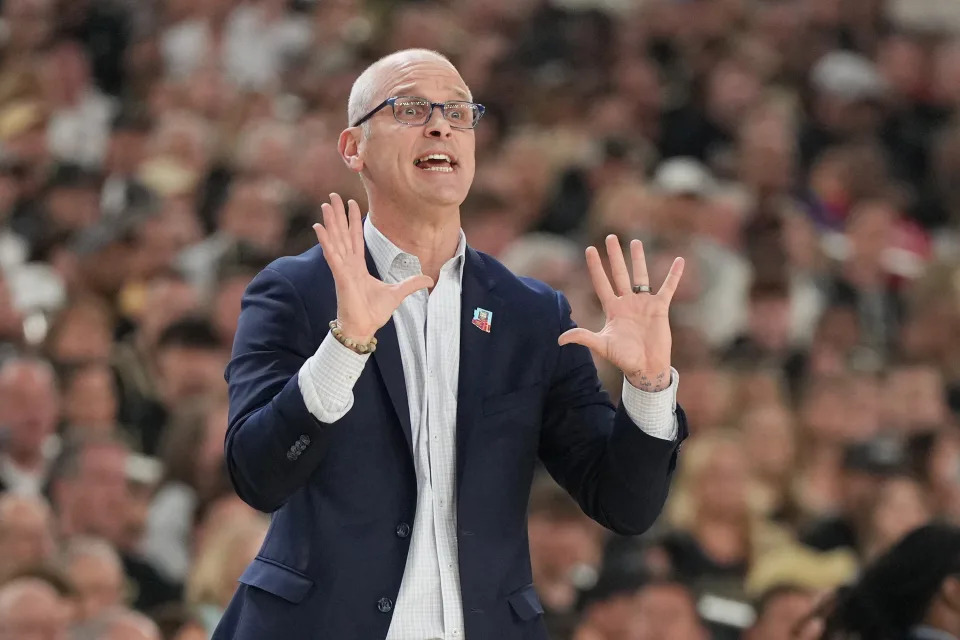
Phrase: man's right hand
{"type": "Point", "coordinates": [364, 303]}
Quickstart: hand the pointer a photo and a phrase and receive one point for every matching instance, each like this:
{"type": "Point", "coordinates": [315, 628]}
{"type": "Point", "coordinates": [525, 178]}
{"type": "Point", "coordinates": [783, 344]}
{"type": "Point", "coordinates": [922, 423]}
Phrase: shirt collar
{"type": "Point", "coordinates": [924, 632]}
{"type": "Point", "coordinates": [386, 254]}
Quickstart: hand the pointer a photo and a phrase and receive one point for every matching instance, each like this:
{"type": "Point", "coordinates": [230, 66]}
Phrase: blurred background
{"type": "Point", "coordinates": [802, 155]}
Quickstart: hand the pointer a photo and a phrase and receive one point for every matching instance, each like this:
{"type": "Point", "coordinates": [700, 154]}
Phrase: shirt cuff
{"type": "Point", "coordinates": [327, 378]}
{"type": "Point", "coordinates": [653, 411]}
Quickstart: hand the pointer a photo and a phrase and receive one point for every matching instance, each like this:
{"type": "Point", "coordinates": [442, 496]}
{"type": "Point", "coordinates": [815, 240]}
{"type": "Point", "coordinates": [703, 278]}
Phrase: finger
{"type": "Point", "coordinates": [329, 230]}
{"type": "Point", "coordinates": [639, 263]}
{"type": "Point", "coordinates": [323, 237]}
{"type": "Point", "coordinates": [412, 284]}
{"type": "Point", "coordinates": [338, 224]}
{"type": "Point", "coordinates": [672, 280]}
{"type": "Point", "coordinates": [601, 284]}
{"type": "Point", "coordinates": [618, 266]}
{"type": "Point", "coordinates": [582, 336]}
{"type": "Point", "coordinates": [356, 227]}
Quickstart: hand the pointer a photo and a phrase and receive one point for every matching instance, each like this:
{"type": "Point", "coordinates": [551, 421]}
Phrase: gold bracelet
{"type": "Point", "coordinates": [362, 349]}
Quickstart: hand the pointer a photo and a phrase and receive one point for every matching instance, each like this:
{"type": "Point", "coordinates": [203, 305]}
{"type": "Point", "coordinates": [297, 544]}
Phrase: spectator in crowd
{"type": "Point", "coordinates": [568, 550]}
{"type": "Point", "coordinates": [780, 612]}
{"type": "Point", "coordinates": [226, 551]}
{"type": "Point", "coordinates": [192, 454]}
{"type": "Point", "coordinates": [908, 592]}
{"type": "Point", "coordinates": [668, 610]}
{"type": "Point", "coordinates": [26, 533]}
{"type": "Point", "coordinates": [96, 573]}
{"type": "Point", "coordinates": [90, 400]}
{"type": "Point", "coordinates": [717, 533]}
{"type": "Point", "coordinates": [190, 361]}
{"type": "Point", "coordinates": [118, 623]}
{"type": "Point", "coordinates": [608, 610]}
{"type": "Point", "coordinates": [29, 412]}
{"type": "Point", "coordinates": [91, 495]}
{"type": "Point", "coordinates": [31, 607]}
{"type": "Point", "coordinates": [866, 465]}
{"type": "Point", "coordinates": [177, 622]}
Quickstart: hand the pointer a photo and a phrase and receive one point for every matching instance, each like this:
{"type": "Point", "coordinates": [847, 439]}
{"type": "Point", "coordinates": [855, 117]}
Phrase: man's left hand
{"type": "Point", "coordinates": [636, 337]}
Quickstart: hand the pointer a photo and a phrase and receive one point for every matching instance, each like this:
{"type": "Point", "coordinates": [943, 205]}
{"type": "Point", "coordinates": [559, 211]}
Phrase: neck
{"type": "Point", "coordinates": [433, 238]}
{"type": "Point", "coordinates": [942, 618]}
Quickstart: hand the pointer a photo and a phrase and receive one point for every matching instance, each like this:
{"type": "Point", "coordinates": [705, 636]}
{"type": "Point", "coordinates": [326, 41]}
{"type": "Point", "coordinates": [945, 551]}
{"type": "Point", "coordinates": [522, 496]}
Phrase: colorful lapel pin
{"type": "Point", "coordinates": [482, 319]}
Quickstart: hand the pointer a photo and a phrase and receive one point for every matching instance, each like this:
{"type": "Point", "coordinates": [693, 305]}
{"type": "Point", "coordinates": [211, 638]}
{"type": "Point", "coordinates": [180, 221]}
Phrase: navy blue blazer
{"type": "Point", "coordinates": [343, 495]}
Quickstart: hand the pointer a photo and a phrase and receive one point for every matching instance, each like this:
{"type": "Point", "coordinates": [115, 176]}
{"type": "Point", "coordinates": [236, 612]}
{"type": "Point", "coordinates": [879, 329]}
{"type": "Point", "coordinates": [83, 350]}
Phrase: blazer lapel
{"type": "Point", "coordinates": [390, 364]}
{"type": "Point", "coordinates": [474, 343]}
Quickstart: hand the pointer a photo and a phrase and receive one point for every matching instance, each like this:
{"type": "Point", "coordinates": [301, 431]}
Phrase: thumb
{"type": "Point", "coordinates": [582, 337]}
{"type": "Point", "coordinates": [411, 284]}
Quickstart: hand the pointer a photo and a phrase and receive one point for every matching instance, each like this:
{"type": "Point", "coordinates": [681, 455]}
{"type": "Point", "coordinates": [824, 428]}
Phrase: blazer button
{"type": "Point", "coordinates": [385, 605]}
{"type": "Point", "coordinates": [403, 530]}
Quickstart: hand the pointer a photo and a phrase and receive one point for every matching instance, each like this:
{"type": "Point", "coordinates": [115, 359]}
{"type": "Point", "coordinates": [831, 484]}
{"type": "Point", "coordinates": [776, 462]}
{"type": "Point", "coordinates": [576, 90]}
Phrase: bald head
{"type": "Point", "coordinates": [29, 406]}
{"type": "Point", "coordinates": [30, 607]}
{"type": "Point", "coordinates": [130, 625]}
{"type": "Point", "coordinates": [368, 87]}
{"type": "Point", "coordinates": [25, 371]}
{"type": "Point", "coordinates": [26, 533]}
{"type": "Point", "coordinates": [119, 624]}
{"type": "Point", "coordinates": [96, 571]}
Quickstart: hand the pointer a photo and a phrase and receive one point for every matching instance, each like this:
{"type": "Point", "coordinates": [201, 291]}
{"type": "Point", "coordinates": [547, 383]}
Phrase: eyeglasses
{"type": "Point", "coordinates": [415, 111]}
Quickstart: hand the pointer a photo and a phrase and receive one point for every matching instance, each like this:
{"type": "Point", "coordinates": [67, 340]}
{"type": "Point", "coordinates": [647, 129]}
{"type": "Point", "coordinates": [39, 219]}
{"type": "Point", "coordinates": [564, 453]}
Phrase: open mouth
{"type": "Point", "coordinates": [439, 162]}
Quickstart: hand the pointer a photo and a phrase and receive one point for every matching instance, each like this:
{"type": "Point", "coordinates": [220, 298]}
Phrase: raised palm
{"type": "Point", "coordinates": [636, 336]}
{"type": "Point", "coordinates": [364, 303]}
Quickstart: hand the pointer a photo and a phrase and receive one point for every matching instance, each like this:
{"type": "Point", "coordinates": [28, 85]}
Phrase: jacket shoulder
{"type": "Point", "coordinates": [303, 269]}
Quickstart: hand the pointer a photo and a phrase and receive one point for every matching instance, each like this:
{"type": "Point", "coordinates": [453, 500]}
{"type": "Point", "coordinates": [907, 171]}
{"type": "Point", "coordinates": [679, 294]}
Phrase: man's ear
{"type": "Point", "coordinates": [349, 146]}
{"type": "Point", "coordinates": [950, 591]}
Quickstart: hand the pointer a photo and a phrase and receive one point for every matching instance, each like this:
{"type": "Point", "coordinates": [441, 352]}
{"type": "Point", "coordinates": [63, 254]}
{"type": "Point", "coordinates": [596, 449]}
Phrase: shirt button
{"type": "Point", "coordinates": [385, 605]}
{"type": "Point", "coordinates": [403, 530]}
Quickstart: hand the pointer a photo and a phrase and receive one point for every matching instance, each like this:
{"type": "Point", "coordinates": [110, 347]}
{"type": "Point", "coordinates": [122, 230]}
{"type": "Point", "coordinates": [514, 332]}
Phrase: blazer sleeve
{"type": "Point", "coordinates": [617, 473]}
{"type": "Point", "coordinates": [273, 442]}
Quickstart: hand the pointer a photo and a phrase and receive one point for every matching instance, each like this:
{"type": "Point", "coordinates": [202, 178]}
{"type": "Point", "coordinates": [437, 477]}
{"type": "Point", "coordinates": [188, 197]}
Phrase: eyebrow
{"type": "Point", "coordinates": [460, 91]}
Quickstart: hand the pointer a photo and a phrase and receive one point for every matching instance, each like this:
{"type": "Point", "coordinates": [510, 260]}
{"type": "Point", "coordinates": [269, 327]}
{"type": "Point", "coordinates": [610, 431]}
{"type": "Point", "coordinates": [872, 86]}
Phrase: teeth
{"type": "Point", "coordinates": [440, 169]}
{"type": "Point", "coordinates": [435, 156]}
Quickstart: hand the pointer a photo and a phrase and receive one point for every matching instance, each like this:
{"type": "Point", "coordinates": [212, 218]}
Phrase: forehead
{"type": "Point", "coordinates": [427, 78]}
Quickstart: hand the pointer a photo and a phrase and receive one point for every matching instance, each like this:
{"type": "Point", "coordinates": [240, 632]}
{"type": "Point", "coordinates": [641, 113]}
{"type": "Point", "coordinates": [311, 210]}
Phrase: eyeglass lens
{"type": "Point", "coordinates": [417, 111]}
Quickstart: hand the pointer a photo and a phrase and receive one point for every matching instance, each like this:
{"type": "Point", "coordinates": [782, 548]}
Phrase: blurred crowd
{"type": "Point", "coordinates": [802, 155]}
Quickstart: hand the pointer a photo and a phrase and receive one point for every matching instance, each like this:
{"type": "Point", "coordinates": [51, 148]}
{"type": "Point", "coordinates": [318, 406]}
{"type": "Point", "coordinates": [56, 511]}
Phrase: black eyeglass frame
{"type": "Point", "coordinates": [433, 105]}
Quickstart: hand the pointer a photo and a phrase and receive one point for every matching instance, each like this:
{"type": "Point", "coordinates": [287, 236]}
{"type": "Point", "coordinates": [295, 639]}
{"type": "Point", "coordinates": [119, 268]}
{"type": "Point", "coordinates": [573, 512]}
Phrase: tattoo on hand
{"type": "Point", "coordinates": [658, 384]}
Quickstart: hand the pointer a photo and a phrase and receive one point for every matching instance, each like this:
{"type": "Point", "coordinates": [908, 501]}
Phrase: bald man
{"type": "Point", "coordinates": [96, 571]}
{"type": "Point", "coordinates": [26, 533]}
{"type": "Point", "coordinates": [31, 609]}
{"type": "Point", "coordinates": [29, 411]}
{"type": "Point", "coordinates": [118, 624]}
{"type": "Point", "coordinates": [392, 390]}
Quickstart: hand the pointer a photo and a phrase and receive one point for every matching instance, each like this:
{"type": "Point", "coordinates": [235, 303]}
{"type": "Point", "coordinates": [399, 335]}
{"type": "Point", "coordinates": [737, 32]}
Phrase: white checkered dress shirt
{"type": "Point", "coordinates": [429, 605]}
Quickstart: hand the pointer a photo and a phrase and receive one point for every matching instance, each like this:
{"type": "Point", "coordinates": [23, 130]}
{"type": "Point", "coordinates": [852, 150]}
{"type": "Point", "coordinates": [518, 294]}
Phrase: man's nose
{"type": "Point", "coordinates": [437, 126]}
